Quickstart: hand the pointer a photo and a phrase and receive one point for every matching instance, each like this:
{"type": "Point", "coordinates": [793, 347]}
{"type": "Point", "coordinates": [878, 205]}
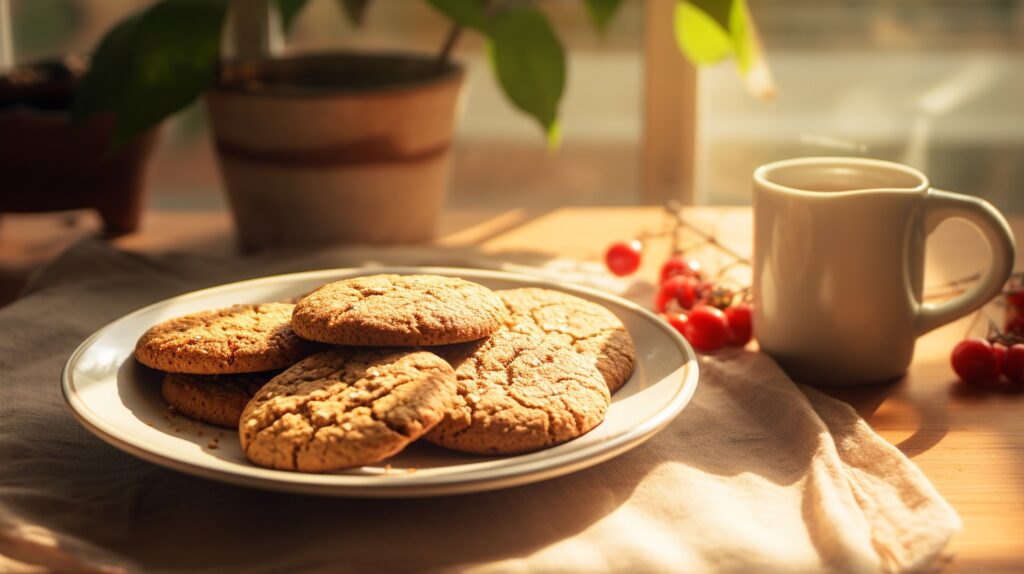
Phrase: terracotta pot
{"type": "Point", "coordinates": [47, 164]}
{"type": "Point", "coordinates": [336, 148]}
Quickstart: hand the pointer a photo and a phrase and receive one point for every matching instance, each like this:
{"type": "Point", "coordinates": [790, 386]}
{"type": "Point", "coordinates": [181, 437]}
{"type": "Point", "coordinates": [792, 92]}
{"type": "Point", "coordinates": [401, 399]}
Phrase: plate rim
{"type": "Point", "coordinates": [399, 485]}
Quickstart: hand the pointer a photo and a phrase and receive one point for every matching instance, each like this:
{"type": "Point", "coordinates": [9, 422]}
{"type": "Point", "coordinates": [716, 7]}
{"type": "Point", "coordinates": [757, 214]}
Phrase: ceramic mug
{"type": "Point", "coordinates": [839, 250]}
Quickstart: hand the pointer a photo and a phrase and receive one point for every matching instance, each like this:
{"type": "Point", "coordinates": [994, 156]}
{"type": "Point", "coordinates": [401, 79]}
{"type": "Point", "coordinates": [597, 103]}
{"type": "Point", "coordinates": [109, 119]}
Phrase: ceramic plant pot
{"type": "Point", "coordinates": [48, 164]}
{"type": "Point", "coordinates": [336, 148]}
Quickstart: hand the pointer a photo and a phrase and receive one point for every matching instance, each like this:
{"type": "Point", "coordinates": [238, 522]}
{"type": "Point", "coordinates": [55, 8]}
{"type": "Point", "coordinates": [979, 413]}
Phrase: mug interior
{"type": "Point", "coordinates": [837, 175]}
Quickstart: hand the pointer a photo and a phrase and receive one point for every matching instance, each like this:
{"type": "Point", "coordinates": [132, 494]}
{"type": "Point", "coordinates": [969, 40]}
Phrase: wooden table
{"type": "Point", "coordinates": [969, 443]}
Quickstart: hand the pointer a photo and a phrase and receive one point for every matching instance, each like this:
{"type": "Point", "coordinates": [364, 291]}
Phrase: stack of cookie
{"type": "Point", "coordinates": [375, 363]}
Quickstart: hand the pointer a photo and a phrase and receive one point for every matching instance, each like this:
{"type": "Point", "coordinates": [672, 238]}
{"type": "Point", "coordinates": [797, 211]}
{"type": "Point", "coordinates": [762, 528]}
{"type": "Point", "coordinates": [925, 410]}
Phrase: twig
{"type": "Point", "coordinates": [709, 238]}
{"type": "Point", "coordinates": [943, 294]}
{"type": "Point", "coordinates": [723, 270]}
{"type": "Point", "coordinates": [955, 282]}
{"type": "Point", "coordinates": [449, 44]}
{"type": "Point", "coordinates": [674, 223]}
{"type": "Point", "coordinates": [974, 321]}
{"type": "Point", "coordinates": [676, 212]}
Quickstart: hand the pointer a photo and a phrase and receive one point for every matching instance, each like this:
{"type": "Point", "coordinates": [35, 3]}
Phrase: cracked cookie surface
{"type": "Point", "coordinates": [237, 339]}
{"type": "Point", "coordinates": [346, 408]}
{"type": "Point", "coordinates": [399, 310]}
{"type": "Point", "coordinates": [215, 399]}
{"type": "Point", "coordinates": [591, 329]}
{"type": "Point", "coordinates": [518, 392]}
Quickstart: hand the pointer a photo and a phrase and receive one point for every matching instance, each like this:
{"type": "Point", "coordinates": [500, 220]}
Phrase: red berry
{"type": "Point", "coordinates": [677, 320]}
{"type": "Point", "coordinates": [679, 265]}
{"type": "Point", "coordinates": [1013, 363]}
{"type": "Point", "coordinates": [1015, 297]}
{"type": "Point", "coordinates": [1014, 323]}
{"type": "Point", "coordinates": [999, 350]}
{"type": "Point", "coordinates": [740, 330]}
{"type": "Point", "coordinates": [974, 360]}
{"type": "Point", "coordinates": [623, 257]}
{"type": "Point", "coordinates": [706, 328]}
{"type": "Point", "coordinates": [682, 290]}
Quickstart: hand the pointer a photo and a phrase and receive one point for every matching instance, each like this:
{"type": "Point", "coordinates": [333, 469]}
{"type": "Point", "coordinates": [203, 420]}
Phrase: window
{"type": "Point", "coordinates": [935, 84]}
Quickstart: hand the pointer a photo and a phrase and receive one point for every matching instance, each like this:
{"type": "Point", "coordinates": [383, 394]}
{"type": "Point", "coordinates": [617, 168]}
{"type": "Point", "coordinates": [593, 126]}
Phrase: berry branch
{"type": "Point", "coordinates": [707, 312]}
{"type": "Point", "coordinates": [997, 359]}
{"type": "Point", "coordinates": [675, 211]}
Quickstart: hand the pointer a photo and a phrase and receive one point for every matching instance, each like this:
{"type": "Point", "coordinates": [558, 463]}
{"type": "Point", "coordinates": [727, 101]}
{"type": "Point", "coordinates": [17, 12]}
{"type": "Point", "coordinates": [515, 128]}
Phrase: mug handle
{"type": "Point", "coordinates": [941, 205]}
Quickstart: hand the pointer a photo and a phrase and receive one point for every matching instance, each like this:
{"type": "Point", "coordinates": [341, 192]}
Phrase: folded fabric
{"type": "Point", "coordinates": [758, 474]}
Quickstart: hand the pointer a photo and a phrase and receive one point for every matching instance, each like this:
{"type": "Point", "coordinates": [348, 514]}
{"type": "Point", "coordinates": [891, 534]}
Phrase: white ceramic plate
{"type": "Point", "coordinates": [119, 401]}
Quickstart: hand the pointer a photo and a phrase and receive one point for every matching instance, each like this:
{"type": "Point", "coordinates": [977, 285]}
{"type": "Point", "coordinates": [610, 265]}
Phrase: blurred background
{"type": "Point", "coordinates": [938, 84]}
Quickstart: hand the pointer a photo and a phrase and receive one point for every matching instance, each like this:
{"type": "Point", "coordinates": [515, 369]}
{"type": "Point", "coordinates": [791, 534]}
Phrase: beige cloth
{"type": "Point", "coordinates": [756, 475]}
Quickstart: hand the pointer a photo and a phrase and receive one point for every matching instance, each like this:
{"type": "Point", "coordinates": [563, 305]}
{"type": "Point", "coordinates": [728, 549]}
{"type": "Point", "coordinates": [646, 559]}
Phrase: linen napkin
{"type": "Point", "coordinates": [757, 474]}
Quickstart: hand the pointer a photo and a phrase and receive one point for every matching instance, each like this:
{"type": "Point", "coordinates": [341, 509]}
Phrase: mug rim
{"type": "Point", "coordinates": [762, 173]}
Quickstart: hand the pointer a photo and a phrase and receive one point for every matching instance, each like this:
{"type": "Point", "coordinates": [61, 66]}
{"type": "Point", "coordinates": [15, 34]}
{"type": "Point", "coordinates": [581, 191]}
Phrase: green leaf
{"type": "Point", "coordinates": [469, 13]}
{"type": "Point", "coordinates": [602, 11]}
{"type": "Point", "coordinates": [744, 38]}
{"type": "Point", "coordinates": [355, 10]}
{"type": "Point", "coordinates": [708, 31]}
{"type": "Point", "coordinates": [718, 10]}
{"type": "Point", "coordinates": [530, 64]}
{"type": "Point", "coordinates": [100, 88]}
{"type": "Point", "coordinates": [749, 53]}
{"type": "Point", "coordinates": [702, 38]}
{"type": "Point", "coordinates": [289, 9]}
{"type": "Point", "coordinates": [153, 64]}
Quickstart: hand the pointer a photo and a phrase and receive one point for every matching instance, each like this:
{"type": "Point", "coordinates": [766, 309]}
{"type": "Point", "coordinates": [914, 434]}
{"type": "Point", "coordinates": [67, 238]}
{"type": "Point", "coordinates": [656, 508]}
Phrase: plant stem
{"type": "Point", "coordinates": [449, 44]}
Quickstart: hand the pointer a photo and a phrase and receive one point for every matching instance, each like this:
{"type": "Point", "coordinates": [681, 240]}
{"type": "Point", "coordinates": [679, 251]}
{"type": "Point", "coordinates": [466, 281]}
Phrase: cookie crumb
{"type": "Point", "coordinates": [387, 468]}
{"type": "Point", "coordinates": [150, 423]}
{"type": "Point", "coordinates": [411, 470]}
{"type": "Point", "coordinates": [212, 444]}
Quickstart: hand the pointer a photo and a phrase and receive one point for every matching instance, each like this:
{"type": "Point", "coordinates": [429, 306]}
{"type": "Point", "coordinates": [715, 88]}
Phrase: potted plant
{"type": "Point", "coordinates": [50, 165]}
{"type": "Point", "coordinates": [348, 147]}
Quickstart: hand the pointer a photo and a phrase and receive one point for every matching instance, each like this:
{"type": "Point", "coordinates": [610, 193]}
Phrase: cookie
{"type": "Point", "coordinates": [346, 408]}
{"type": "Point", "coordinates": [519, 392]}
{"type": "Point", "coordinates": [591, 329]}
{"type": "Point", "coordinates": [238, 339]}
{"type": "Point", "coordinates": [214, 399]}
{"type": "Point", "coordinates": [399, 310]}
